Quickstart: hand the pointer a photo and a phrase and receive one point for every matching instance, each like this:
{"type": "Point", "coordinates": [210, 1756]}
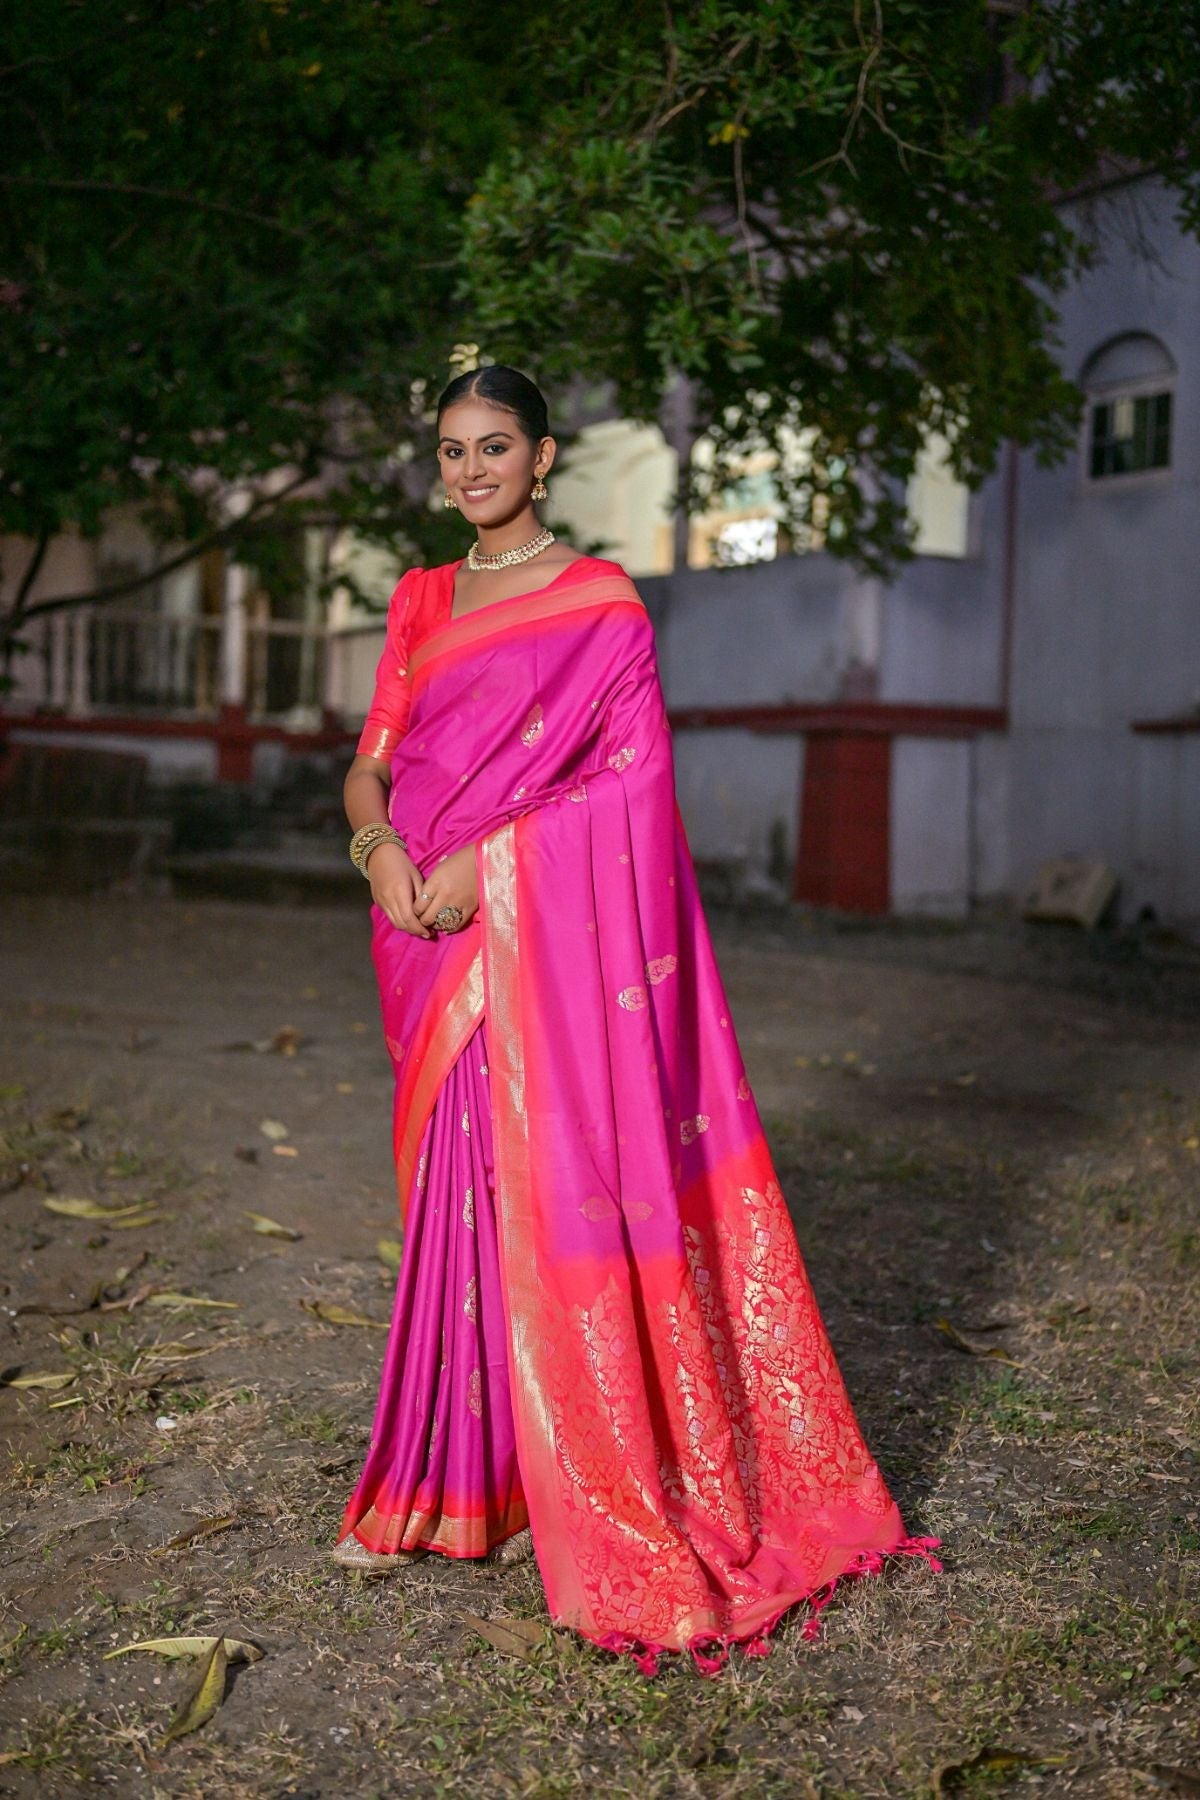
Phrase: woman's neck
{"type": "Point", "coordinates": [494, 538]}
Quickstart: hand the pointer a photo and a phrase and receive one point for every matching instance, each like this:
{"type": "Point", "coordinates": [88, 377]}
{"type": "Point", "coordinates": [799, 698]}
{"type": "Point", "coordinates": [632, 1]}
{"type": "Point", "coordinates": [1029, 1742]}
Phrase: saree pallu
{"type": "Point", "coordinates": [688, 1456]}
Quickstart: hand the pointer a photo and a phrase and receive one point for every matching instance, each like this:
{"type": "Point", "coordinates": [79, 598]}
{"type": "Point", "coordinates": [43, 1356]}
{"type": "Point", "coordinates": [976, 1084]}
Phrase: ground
{"type": "Point", "coordinates": [990, 1139]}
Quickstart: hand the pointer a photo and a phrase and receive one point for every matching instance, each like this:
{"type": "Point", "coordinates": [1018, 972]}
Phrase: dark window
{"type": "Point", "coordinates": [1130, 433]}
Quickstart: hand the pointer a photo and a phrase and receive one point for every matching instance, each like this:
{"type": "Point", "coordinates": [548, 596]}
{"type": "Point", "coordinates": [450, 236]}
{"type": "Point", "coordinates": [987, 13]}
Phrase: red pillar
{"type": "Point", "coordinates": [235, 745]}
{"type": "Point", "coordinates": [844, 852]}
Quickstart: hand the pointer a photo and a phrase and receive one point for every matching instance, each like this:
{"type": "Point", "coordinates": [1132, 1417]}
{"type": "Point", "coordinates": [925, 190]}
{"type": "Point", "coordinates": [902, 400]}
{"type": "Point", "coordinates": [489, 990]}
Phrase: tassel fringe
{"type": "Point", "coordinates": [710, 1652]}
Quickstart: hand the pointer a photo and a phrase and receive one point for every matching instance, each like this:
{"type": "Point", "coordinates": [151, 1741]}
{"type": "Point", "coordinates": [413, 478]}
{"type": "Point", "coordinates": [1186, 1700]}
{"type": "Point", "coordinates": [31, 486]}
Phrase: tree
{"type": "Point", "coordinates": [239, 239]}
{"type": "Point", "coordinates": [228, 238]}
{"type": "Point", "coordinates": [840, 220]}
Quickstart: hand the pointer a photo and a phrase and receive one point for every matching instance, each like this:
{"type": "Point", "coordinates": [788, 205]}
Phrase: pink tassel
{"type": "Point", "coordinates": [622, 1644]}
{"type": "Point", "coordinates": [921, 1546]}
{"type": "Point", "coordinates": [710, 1665]}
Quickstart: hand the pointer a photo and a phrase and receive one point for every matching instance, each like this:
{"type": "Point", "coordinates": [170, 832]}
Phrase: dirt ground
{"type": "Point", "coordinates": [990, 1139]}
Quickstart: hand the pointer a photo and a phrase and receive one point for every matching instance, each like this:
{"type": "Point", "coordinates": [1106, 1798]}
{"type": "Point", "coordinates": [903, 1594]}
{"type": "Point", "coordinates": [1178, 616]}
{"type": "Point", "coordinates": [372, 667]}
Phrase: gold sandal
{"type": "Point", "coordinates": [514, 1550]}
{"type": "Point", "coordinates": [350, 1554]}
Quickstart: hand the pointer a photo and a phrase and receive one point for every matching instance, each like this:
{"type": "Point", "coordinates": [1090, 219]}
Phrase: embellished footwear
{"type": "Point", "coordinates": [516, 1549]}
{"type": "Point", "coordinates": [350, 1554]}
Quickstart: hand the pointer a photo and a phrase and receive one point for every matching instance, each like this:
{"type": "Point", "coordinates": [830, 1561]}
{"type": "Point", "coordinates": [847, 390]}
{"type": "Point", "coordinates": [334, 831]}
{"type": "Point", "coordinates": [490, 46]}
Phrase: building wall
{"type": "Point", "coordinates": [1107, 623]}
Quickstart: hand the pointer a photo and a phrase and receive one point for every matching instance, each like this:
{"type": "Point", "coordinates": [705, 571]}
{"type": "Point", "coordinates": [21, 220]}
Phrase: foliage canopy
{"type": "Point", "coordinates": [243, 236]}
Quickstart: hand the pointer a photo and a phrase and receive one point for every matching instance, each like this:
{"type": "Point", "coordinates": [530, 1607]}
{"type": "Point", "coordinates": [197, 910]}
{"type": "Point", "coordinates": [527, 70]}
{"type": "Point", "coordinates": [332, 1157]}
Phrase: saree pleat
{"type": "Point", "coordinates": [441, 1473]}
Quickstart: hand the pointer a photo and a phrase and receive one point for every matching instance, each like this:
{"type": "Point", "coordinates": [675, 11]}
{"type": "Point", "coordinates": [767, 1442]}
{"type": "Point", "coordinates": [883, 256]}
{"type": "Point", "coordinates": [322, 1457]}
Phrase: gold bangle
{"type": "Point", "coordinates": [369, 837]}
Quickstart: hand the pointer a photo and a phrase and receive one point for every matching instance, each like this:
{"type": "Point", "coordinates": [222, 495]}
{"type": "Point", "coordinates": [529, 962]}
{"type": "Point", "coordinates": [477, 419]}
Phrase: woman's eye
{"type": "Point", "coordinates": [498, 448]}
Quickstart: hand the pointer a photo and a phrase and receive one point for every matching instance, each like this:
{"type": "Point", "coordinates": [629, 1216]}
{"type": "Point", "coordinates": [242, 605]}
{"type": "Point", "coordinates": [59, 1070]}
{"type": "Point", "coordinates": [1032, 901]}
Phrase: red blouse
{"type": "Point", "coordinates": [420, 606]}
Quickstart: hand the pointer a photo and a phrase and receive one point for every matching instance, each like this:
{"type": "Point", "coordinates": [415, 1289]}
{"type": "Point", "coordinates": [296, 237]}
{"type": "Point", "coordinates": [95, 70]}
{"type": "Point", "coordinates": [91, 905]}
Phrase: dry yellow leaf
{"type": "Point", "coordinates": [236, 1650]}
{"type": "Point", "coordinates": [272, 1228]}
{"type": "Point", "coordinates": [39, 1378]}
{"type": "Point", "coordinates": [78, 1208]}
{"type": "Point", "coordinates": [172, 1299]}
{"type": "Point", "coordinates": [340, 1315]}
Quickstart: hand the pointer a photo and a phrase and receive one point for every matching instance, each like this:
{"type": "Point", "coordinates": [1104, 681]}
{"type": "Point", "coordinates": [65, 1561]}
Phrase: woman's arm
{"type": "Point", "coordinates": [394, 877]}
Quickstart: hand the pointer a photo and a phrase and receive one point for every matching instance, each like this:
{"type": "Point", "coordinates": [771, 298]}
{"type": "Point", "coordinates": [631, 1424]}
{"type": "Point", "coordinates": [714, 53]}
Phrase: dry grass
{"type": "Point", "coordinates": [1062, 1480]}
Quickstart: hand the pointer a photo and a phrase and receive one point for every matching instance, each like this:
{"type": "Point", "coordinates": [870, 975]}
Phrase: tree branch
{"type": "Point", "coordinates": [214, 540]}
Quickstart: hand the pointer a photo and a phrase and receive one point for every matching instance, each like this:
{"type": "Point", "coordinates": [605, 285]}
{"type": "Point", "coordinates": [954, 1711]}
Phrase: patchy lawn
{"type": "Point", "coordinates": [991, 1143]}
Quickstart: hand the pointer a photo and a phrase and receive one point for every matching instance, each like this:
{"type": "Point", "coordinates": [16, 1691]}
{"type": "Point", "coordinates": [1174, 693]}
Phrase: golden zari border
{"type": "Point", "coordinates": [449, 1039]}
{"type": "Point", "coordinates": [430, 1529]}
{"type": "Point", "coordinates": [516, 1204]}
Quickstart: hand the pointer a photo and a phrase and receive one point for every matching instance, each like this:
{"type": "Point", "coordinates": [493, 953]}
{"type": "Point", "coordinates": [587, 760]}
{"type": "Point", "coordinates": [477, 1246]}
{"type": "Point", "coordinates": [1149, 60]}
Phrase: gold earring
{"type": "Point", "coordinates": [539, 490]}
{"type": "Point", "coordinates": [448, 499]}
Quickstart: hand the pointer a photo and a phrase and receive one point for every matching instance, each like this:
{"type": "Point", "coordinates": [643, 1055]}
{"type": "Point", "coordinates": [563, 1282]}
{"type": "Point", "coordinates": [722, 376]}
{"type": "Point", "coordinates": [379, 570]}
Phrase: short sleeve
{"type": "Point", "coordinates": [387, 719]}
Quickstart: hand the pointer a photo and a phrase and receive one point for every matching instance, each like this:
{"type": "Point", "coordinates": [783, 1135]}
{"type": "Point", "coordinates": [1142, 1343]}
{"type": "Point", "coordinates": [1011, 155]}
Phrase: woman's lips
{"type": "Point", "coordinates": [478, 494]}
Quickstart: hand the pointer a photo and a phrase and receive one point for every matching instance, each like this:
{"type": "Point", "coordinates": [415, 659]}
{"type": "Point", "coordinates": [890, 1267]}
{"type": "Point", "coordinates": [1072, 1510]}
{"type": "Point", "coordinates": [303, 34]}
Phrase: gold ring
{"type": "Point", "coordinates": [449, 919]}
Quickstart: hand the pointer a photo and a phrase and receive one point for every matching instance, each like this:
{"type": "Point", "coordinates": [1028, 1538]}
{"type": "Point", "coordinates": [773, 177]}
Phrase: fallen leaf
{"type": "Point", "coordinates": [335, 1465]}
{"type": "Point", "coordinates": [284, 1150]}
{"type": "Point", "coordinates": [272, 1228]}
{"type": "Point", "coordinates": [389, 1251]}
{"type": "Point", "coordinates": [236, 1650]}
{"type": "Point", "coordinates": [203, 1697]}
{"type": "Point", "coordinates": [967, 1080]}
{"type": "Point", "coordinates": [344, 1087]}
{"type": "Point", "coordinates": [287, 1041]}
{"type": "Point", "coordinates": [959, 1342]}
{"type": "Point", "coordinates": [173, 1299]}
{"type": "Point", "coordinates": [37, 1378]}
{"type": "Point", "coordinates": [340, 1315]}
{"type": "Point", "coordinates": [949, 1776]}
{"type": "Point", "coordinates": [78, 1208]}
{"type": "Point", "coordinates": [149, 1217]}
{"type": "Point", "coordinates": [205, 1528]}
{"type": "Point", "coordinates": [274, 1129]}
{"type": "Point", "coordinates": [515, 1637]}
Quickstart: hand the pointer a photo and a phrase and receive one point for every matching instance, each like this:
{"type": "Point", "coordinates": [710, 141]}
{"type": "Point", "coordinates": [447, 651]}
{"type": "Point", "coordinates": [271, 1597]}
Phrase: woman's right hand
{"type": "Point", "coordinates": [395, 883]}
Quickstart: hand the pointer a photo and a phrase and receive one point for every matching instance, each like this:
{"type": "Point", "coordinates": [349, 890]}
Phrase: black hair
{"type": "Point", "coordinates": [503, 387]}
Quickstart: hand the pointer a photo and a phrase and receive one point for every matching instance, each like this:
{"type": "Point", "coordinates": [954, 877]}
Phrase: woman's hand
{"type": "Point", "coordinates": [449, 883]}
{"type": "Point", "coordinates": [395, 883]}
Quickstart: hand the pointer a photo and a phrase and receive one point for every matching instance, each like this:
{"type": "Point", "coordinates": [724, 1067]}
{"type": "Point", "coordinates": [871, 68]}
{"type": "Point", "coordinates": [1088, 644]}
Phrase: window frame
{"type": "Point", "coordinates": [1105, 393]}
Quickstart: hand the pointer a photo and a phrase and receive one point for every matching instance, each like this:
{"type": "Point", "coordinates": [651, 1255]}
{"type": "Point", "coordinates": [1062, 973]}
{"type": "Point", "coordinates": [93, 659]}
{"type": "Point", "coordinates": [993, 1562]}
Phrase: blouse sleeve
{"type": "Point", "coordinates": [387, 720]}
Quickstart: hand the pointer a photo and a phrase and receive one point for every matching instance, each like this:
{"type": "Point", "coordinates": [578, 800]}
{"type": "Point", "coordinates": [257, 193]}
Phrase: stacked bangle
{"type": "Point", "coordinates": [368, 838]}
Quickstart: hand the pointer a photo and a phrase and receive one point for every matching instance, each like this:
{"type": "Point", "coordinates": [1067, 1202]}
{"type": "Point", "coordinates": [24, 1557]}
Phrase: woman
{"type": "Point", "coordinates": [605, 1350]}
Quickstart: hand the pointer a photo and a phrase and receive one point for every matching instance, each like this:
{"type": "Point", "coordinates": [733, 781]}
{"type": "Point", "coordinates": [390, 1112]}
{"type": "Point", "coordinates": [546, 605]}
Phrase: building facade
{"type": "Point", "coordinates": [1027, 687]}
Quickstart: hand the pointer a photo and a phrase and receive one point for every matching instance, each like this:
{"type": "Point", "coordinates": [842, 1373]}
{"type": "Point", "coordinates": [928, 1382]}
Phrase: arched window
{"type": "Point", "coordinates": [1130, 384]}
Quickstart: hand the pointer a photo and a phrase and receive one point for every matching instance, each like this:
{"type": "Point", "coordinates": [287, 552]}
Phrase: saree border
{"type": "Point", "coordinates": [429, 1062]}
{"type": "Point", "coordinates": [515, 1203]}
{"type": "Point", "coordinates": [521, 609]}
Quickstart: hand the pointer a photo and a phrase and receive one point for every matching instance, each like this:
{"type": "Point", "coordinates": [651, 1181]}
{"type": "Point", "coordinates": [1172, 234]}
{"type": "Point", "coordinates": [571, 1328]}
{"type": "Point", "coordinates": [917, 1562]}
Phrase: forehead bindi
{"type": "Point", "coordinates": [476, 425]}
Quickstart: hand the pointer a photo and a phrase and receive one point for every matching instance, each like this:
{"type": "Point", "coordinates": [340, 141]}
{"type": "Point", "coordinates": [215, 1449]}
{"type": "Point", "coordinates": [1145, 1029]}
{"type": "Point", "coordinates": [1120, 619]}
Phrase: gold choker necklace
{"type": "Point", "coordinates": [504, 559]}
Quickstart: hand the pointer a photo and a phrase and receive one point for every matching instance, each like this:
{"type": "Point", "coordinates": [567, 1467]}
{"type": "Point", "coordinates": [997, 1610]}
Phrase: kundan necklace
{"type": "Point", "coordinates": [504, 559]}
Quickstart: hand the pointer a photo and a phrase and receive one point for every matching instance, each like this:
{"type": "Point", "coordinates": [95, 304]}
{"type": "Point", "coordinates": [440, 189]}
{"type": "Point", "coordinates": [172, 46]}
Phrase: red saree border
{"type": "Point", "coordinates": [521, 609]}
{"type": "Point", "coordinates": [451, 1014]}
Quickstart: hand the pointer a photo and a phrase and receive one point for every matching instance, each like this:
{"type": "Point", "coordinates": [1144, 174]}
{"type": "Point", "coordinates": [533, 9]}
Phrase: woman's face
{"type": "Point", "coordinates": [487, 462]}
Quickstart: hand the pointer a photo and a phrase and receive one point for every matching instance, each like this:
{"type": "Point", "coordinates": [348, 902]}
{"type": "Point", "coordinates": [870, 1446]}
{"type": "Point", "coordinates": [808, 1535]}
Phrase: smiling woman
{"type": "Point", "coordinates": [605, 1351]}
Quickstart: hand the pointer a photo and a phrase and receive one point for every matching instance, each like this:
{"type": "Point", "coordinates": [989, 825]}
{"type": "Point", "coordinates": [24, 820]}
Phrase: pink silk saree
{"type": "Point", "coordinates": [686, 1452]}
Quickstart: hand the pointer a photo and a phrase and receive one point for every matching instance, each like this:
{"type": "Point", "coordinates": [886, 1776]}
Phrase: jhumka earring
{"type": "Point", "coordinates": [539, 489]}
{"type": "Point", "coordinates": [448, 499]}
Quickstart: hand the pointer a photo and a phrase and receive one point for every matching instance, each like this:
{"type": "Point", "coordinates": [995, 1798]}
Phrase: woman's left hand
{"type": "Point", "coordinates": [449, 883]}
